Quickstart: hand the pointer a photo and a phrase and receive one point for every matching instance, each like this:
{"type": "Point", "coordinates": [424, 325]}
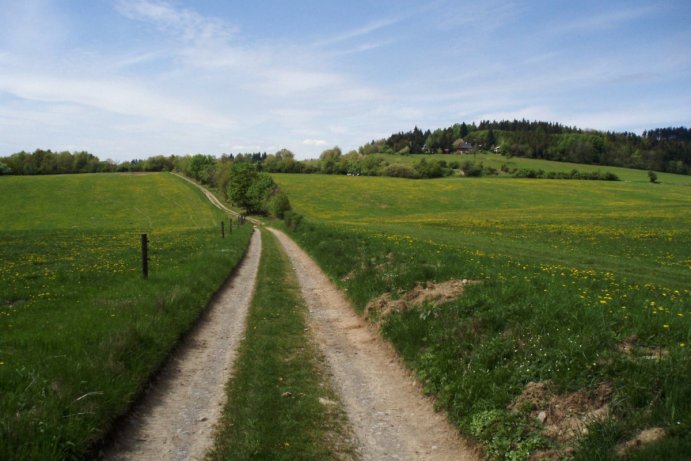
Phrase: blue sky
{"type": "Point", "coordinates": [128, 79]}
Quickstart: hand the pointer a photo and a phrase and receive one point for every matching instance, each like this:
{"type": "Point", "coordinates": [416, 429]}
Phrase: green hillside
{"type": "Point", "coordinates": [638, 230]}
{"type": "Point", "coordinates": [579, 292]}
{"type": "Point", "coordinates": [81, 331]}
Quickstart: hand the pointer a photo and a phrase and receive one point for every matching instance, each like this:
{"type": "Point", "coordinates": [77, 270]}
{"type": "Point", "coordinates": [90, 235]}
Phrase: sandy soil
{"type": "Point", "coordinates": [390, 416]}
{"type": "Point", "coordinates": [176, 419]}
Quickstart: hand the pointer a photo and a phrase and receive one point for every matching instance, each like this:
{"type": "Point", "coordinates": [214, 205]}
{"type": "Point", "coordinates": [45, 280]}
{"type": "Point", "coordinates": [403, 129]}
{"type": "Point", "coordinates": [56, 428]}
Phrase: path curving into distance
{"type": "Point", "coordinates": [390, 416]}
{"type": "Point", "coordinates": [177, 417]}
{"type": "Point", "coordinates": [212, 198]}
{"type": "Point", "coordinates": [215, 201]}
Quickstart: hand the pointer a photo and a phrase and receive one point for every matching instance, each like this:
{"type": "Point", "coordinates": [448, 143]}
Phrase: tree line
{"type": "Point", "coordinates": [661, 149]}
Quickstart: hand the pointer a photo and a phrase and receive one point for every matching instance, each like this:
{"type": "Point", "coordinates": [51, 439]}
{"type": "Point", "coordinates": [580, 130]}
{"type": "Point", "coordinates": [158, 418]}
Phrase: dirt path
{"type": "Point", "coordinates": [177, 418]}
{"type": "Point", "coordinates": [212, 198]}
{"type": "Point", "coordinates": [389, 414]}
{"type": "Point", "coordinates": [214, 201]}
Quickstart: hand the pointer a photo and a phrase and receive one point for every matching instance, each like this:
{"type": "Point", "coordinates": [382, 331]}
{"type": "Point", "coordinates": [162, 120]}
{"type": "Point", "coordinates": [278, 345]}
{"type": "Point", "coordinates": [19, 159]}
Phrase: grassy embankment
{"type": "Point", "coordinates": [274, 409]}
{"type": "Point", "coordinates": [80, 330]}
{"type": "Point", "coordinates": [585, 287]}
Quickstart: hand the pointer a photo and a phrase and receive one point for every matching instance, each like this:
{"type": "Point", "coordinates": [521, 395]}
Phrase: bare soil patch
{"type": "Point", "coordinates": [390, 416]}
{"type": "Point", "coordinates": [565, 417]}
{"type": "Point", "coordinates": [644, 437]}
{"type": "Point", "coordinates": [631, 348]}
{"type": "Point", "coordinates": [427, 293]}
{"type": "Point", "coordinates": [176, 419]}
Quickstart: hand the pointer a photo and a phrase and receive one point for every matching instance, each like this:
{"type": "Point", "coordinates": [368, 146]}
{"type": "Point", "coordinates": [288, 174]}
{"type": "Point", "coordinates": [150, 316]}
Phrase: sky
{"type": "Point", "coordinates": [126, 79]}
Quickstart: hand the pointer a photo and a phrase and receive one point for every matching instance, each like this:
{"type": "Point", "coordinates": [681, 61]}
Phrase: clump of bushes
{"type": "Point", "coordinates": [256, 192]}
{"type": "Point", "coordinates": [397, 170]}
{"type": "Point", "coordinates": [292, 220]}
{"type": "Point", "coordinates": [472, 169]}
{"type": "Point", "coordinates": [573, 174]}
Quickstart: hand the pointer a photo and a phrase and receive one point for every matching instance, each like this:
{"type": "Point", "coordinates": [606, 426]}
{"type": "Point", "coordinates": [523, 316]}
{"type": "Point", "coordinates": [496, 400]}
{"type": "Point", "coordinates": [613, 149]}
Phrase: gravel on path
{"type": "Point", "coordinates": [177, 416]}
{"type": "Point", "coordinates": [391, 417]}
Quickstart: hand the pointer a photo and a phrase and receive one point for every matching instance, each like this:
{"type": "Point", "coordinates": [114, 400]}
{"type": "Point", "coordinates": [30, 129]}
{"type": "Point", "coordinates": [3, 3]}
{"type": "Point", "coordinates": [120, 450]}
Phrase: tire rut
{"type": "Point", "coordinates": [388, 412]}
{"type": "Point", "coordinates": [176, 419]}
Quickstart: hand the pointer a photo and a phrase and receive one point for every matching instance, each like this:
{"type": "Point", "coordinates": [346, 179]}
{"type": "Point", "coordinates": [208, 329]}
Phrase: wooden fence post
{"type": "Point", "coordinates": [145, 256]}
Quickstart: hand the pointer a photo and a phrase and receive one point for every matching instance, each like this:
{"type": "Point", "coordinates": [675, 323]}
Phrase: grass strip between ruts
{"type": "Point", "coordinates": [281, 405]}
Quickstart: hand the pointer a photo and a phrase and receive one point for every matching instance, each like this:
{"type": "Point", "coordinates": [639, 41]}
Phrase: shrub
{"type": "Point", "coordinates": [429, 169]}
{"type": "Point", "coordinates": [279, 205]}
{"type": "Point", "coordinates": [400, 171]}
{"type": "Point", "coordinates": [259, 193]}
{"type": "Point", "coordinates": [573, 174]}
{"type": "Point", "coordinates": [470, 169]}
{"type": "Point", "coordinates": [4, 169]}
{"type": "Point", "coordinates": [242, 175]}
{"type": "Point", "coordinates": [292, 220]}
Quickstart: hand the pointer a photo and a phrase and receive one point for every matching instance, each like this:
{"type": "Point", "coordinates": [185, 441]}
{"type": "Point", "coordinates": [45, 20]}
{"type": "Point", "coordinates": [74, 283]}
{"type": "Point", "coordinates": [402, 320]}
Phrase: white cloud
{"type": "Point", "coordinates": [182, 81]}
{"type": "Point", "coordinates": [367, 29]}
{"type": "Point", "coordinates": [109, 95]}
{"type": "Point", "coordinates": [314, 142]}
{"type": "Point", "coordinates": [287, 82]}
{"type": "Point", "coordinates": [183, 22]}
{"type": "Point", "coordinates": [486, 16]}
{"type": "Point", "coordinates": [604, 21]}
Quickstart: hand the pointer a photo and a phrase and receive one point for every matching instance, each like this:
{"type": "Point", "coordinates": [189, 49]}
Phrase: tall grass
{"type": "Point", "coordinates": [557, 299]}
{"type": "Point", "coordinates": [80, 330]}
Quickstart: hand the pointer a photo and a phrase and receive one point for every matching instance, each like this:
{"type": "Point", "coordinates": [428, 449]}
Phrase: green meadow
{"type": "Point", "coordinates": [639, 230]}
{"type": "Point", "coordinates": [583, 286]}
{"type": "Point", "coordinates": [81, 331]}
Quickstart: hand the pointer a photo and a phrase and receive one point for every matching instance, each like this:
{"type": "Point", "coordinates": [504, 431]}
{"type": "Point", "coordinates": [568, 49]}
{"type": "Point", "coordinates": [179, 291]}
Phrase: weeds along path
{"type": "Point", "coordinates": [177, 417]}
{"type": "Point", "coordinates": [390, 417]}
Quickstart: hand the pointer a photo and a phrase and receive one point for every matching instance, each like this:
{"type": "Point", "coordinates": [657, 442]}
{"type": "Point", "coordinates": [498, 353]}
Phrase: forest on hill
{"type": "Point", "coordinates": [661, 149]}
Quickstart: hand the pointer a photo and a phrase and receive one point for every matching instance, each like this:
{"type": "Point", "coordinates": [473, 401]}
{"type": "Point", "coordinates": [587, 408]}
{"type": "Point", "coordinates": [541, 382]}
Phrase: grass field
{"type": "Point", "coordinates": [81, 331]}
{"type": "Point", "coordinates": [637, 230]}
{"type": "Point", "coordinates": [584, 286]}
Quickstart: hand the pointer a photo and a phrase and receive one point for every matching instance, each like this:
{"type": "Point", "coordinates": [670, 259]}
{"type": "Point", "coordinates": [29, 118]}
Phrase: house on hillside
{"type": "Point", "coordinates": [464, 147]}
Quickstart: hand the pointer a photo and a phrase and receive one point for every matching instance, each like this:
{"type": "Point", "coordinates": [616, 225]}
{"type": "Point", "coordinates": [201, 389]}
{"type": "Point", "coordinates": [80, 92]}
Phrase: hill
{"type": "Point", "coordinates": [549, 318]}
{"type": "Point", "coordinates": [81, 331]}
{"type": "Point", "coordinates": [661, 149]}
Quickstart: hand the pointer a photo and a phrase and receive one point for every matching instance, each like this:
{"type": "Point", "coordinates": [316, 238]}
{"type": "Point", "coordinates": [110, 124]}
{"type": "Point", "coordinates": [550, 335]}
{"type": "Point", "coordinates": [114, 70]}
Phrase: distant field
{"type": "Point", "coordinates": [496, 161]}
{"type": "Point", "coordinates": [583, 288]}
{"type": "Point", "coordinates": [637, 230]}
{"type": "Point", "coordinates": [80, 329]}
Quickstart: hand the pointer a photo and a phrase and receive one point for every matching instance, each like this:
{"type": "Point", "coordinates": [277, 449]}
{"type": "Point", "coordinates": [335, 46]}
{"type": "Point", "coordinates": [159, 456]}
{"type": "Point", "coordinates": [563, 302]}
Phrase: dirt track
{"type": "Point", "coordinates": [177, 417]}
{"type": "Point", "coordinates": [390, 416]}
